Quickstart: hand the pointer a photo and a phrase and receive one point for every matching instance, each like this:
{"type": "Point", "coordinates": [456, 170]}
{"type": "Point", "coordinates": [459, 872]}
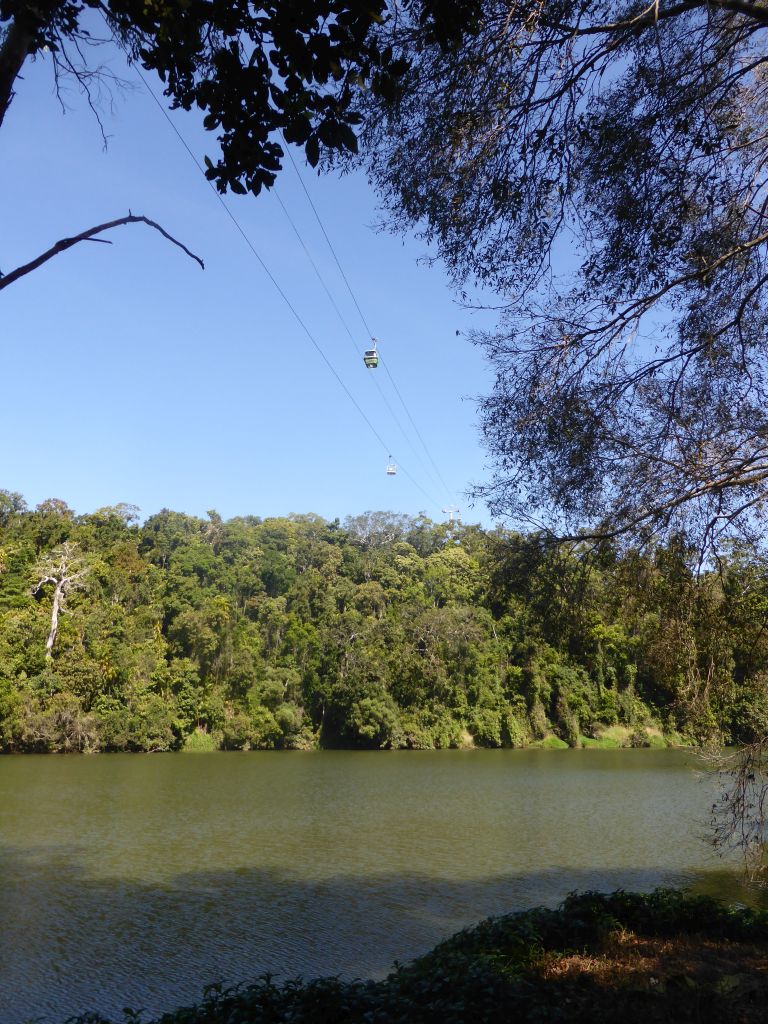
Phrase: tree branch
{"type": "Point", "coordinates": [87, 236]}
{"type": "Point", "coordinates": [654, 14]}
{"type": "Point", "coordinates": [14, 49]}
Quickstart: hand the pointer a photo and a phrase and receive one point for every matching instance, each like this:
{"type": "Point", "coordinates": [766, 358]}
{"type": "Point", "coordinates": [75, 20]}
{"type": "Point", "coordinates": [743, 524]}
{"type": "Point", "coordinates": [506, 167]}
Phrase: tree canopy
{"type": "Point", "coordinates": [253, 71]}
{"type": "Point", "coordinates": [262, 75]}
{"type": "Point", "coordinates": [381, 631]}
{"type": "Point", "coordinates": [601, 167]}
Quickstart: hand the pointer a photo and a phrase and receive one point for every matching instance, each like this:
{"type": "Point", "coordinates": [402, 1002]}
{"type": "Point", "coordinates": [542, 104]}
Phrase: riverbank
{"type": "Point", "coordinates": [666, 956]}
{"type": "Point", "coordinates": [617, 737]}
{"type": "Point", "coordinates": [610, 737]}
{"type": "Point", "coordinates": [614, 737]}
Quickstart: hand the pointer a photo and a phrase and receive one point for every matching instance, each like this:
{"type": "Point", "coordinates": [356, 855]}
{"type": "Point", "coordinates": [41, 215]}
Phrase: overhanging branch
{"type": "Point", "coordinates": [85, 236]}
{"type": "Point", "coordinates": [654, 13]}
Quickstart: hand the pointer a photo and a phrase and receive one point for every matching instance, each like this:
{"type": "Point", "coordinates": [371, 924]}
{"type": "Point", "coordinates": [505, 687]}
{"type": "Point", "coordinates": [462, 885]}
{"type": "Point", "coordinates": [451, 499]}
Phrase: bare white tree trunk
{"type": "Point", "coordinates": [58, 596]}
{"type": "Point", "coordinates": [66, 569]}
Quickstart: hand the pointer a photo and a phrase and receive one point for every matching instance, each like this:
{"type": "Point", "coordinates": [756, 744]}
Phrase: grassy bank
{"type": "Point", "coordinates": [614, 737]}
{"type": "Point", "coordinates": [624, 957]}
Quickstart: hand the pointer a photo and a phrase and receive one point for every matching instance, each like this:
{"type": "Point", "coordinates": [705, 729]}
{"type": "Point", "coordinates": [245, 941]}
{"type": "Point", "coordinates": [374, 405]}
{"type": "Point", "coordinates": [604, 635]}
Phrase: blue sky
{"type": "Point", "coordinates": [131, 375]}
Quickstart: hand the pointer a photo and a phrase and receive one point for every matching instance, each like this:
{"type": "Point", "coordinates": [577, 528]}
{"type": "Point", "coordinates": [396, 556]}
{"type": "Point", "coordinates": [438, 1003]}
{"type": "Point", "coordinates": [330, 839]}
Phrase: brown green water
{"type": "Point", "coordinates": [135, 880]}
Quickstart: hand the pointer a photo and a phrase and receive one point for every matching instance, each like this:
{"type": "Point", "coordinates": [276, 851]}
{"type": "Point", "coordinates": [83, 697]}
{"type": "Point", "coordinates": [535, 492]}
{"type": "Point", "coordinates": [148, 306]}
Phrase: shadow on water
{"type": "Point", "coordinates": [70, 943]}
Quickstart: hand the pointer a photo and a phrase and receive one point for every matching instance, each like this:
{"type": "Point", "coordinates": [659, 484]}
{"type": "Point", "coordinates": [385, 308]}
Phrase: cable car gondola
{"type": "Point", "coordinates": [391, 467]}
{"type": "Point", "coordinates": [371, 356]}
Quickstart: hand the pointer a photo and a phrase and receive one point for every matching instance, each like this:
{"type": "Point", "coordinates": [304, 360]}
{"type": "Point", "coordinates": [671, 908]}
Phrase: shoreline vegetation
{"type": "Point", "coordinates": [616, 737]}
{"type": "Point", "coordinates": [380, 631]}
{"type": "Point", "coordinates": [664, 956]}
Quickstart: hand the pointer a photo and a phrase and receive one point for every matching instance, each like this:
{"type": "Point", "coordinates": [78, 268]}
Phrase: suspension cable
{"type": "Point", "coordinates": [278, 288]}
{"type": "Point", "coordinates": [362, 315]}
{"type": "Point", "coordinates": [344, 323]}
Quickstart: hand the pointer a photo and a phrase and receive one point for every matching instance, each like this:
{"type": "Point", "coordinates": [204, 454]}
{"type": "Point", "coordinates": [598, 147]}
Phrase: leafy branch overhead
{"type": "Point", "coordinates": [602, 169]}
{"type": "Point", "coordinates": [254, 72]}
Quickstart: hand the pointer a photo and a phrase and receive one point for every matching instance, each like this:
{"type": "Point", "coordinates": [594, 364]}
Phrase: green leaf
{"type": "Point", "coordinates": [329, 133]}
{"type": "Point", "coordinates": [312, 150]}
{"type": "Point", "coordinates": [348, 138]}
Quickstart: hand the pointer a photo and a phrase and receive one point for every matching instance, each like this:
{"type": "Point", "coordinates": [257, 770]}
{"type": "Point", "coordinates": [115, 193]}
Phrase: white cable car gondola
{"type": "Point", "coordinates": [391, 467]}
{"type": "Point", "coordinates": [371, 356]}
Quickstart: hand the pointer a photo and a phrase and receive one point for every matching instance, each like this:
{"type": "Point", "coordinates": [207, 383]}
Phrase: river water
{"type": "Point", "coordinates": [134, 880]}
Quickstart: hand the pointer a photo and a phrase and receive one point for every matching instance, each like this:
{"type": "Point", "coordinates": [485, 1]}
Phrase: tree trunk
{"type": "Point", "coordinates": [13, 52]}
{"type": "Point", "coordinates": [57, 596]}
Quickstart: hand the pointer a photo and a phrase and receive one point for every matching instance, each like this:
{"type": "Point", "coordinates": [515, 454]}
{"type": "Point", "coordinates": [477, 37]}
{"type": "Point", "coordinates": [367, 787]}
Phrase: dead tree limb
{"type": "Point", "coordinates": [67, 570]}
{"type": "Point", "coordinates": [88, 236]}
{"type": "Point", "coordinates": [739, 816]}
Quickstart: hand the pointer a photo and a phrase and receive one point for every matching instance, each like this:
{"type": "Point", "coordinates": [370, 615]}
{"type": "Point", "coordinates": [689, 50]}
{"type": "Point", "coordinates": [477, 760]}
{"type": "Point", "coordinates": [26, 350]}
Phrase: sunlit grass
{"type": "Point", "coordinates": [550, 742]}
{"type": "Point", "coordinates": [199, 742]}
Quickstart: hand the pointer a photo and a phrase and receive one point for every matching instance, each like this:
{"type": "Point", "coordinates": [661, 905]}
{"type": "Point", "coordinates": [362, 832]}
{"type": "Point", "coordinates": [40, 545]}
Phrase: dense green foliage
{"type": "Point", "coordinates": [383, 631]}
{"type": "Point", "coordinates": [496, 972]}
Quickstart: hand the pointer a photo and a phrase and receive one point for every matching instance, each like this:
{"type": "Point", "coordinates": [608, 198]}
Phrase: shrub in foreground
{"type": "Point", "coordinates": [666, 956]}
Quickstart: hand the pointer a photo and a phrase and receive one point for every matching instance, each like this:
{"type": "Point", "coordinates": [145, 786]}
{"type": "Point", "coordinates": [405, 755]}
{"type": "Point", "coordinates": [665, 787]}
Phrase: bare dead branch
{"type": "Point", "coordinates": [66, 569]}
{"type": "Point", "coordinates": [739, 815]}
{"type": "Point", "coordinates": [87, 236]}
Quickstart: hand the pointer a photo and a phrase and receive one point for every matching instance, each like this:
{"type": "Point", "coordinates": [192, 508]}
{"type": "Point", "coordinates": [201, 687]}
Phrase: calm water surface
{"type": "Point", "coordinates": [133, 880]}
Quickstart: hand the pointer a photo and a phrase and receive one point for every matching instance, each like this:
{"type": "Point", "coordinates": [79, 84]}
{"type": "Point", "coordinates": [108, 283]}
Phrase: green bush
{"type": "Point", "coordinates": [200, 742]}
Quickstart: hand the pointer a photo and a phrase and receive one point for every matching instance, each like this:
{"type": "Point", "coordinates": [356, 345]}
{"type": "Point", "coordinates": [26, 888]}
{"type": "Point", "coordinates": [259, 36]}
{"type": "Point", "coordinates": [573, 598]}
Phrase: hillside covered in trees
{"type": "Point", "coordinates": [381, 631]}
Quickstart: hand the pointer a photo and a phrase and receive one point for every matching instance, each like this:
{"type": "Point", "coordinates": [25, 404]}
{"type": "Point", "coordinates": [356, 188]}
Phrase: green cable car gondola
{"type": "Point", "coordinates": [371, 356]}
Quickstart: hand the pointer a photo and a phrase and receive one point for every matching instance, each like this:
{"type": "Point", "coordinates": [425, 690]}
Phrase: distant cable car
{"type": "Point", "coordinates": [391, 467]}
{"type": "Point", "coordinates": [371, 357]}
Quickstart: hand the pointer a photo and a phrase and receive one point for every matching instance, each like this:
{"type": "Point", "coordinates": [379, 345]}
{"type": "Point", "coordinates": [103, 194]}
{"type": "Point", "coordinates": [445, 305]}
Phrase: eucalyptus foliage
{"type": "Point", "coordinates": [601, 168]}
